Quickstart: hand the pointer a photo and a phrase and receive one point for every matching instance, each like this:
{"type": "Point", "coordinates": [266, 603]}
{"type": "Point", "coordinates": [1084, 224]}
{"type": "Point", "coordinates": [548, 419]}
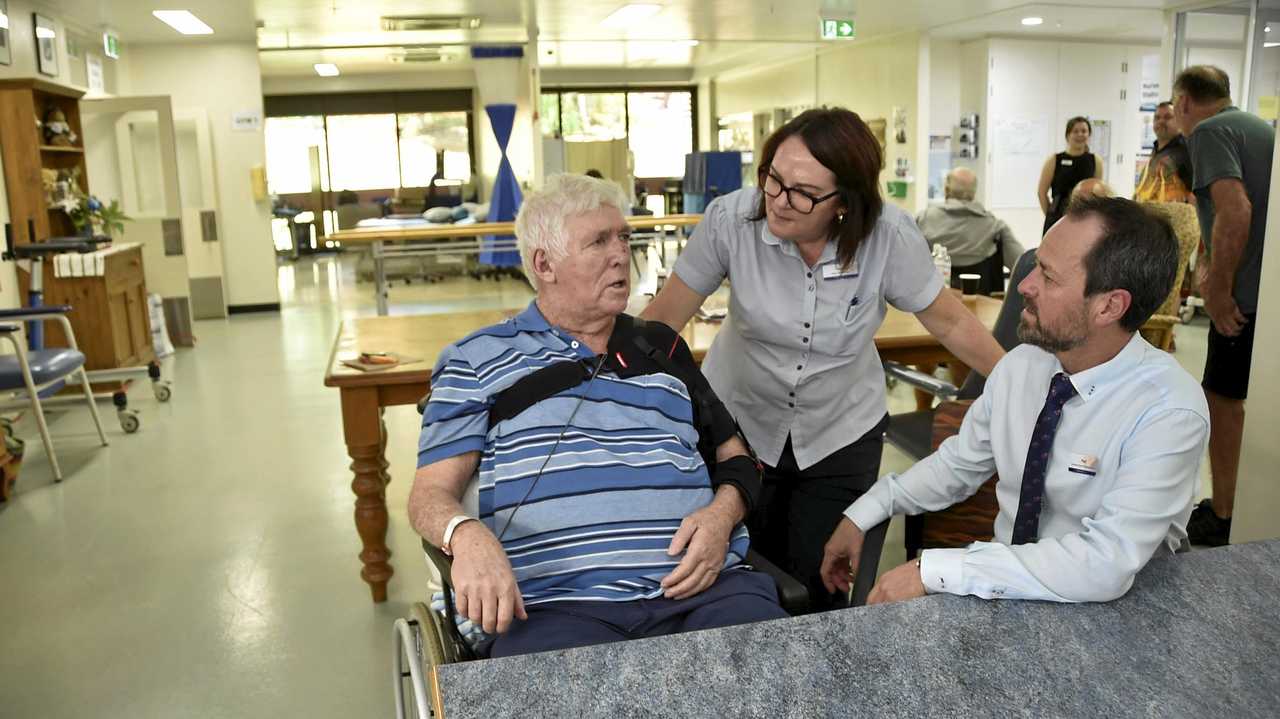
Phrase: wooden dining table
{"type": "Point", "coordinates": [364, 395]}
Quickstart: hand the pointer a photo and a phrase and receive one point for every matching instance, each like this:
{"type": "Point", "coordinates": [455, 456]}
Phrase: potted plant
{"type": "Point", "coordinates": [91, 217]}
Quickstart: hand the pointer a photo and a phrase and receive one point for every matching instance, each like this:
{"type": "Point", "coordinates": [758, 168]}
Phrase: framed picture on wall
{"type": "Point", "coordinates": [46, 45]}
{"type": "Point", "coordinates": [6, 53]}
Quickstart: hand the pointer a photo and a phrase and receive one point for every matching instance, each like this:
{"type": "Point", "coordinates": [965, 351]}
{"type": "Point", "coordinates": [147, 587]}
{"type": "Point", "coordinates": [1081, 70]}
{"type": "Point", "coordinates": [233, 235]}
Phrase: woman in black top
{"type": "Point", "coordinates": [1063, 171]}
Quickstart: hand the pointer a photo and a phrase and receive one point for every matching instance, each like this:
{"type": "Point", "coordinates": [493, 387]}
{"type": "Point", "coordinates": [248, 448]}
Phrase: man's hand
{"type": "Point", "coordinates": [485, 586]}
{"type": "Point", "coordinates": [704, 538]}
{"type": "Point", "coordinates": [840, 556]}
{"type": "Point", "coordinates": [1221, 306]}
{"type": "Point", "coordinates": [902, 582]}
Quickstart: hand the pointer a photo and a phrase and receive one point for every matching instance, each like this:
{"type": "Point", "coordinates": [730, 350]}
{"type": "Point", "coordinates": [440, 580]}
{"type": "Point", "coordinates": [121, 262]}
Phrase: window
{"type": "Point", "coordinates": [658, 124]}
{"type": "Point", "coordinates": [549, 114]}
{"type": "Point", "coordinates": [379, 151]}
{"type": "Point", "coordinates": [429, 140]}
{"type": "Point", "coordinates": [659, 132]}
{"type": "Point", "coordinates": [362, 152]}
{"type": "Point", "coordinates": [593, 116]}
{"type": "Point", "coordinates": [289, 142]}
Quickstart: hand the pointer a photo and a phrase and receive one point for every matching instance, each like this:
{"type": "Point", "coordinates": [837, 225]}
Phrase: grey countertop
{"type": "Point", "coordinates": [1198, 635]}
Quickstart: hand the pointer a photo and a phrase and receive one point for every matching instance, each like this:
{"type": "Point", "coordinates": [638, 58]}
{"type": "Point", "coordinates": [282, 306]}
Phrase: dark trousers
{"type": "Point", "coordinates": [800, 508]}
{"type": "Point", "coordinates": [738, 596]}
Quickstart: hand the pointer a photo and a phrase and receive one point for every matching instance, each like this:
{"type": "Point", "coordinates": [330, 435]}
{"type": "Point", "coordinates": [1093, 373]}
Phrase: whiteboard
{"type": "Point", "coordinates": [1019, 147]}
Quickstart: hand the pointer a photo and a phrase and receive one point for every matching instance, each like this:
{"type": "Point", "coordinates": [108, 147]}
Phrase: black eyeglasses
{"type": "Point", "coordinates": [799, 200]}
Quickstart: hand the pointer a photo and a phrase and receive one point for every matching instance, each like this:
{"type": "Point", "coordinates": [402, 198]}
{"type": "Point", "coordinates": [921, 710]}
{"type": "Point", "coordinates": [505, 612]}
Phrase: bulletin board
{"type": "Point", "coordinates": [1019, 147]}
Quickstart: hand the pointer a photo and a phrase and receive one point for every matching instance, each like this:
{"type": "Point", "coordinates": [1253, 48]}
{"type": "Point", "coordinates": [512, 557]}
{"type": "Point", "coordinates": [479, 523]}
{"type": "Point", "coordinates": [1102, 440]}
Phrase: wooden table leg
{"type": "Point", "coordinates": [365, 438]}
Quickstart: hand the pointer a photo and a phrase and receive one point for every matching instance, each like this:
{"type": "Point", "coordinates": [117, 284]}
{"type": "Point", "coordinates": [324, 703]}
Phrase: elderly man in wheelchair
{"type": "Point", "coordinates": [612, 483]}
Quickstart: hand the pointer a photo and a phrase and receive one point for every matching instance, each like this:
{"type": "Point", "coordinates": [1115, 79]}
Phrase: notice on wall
{"type": "Point", "coordinates": [246, 121]}
{"type": "Point", "coordinates": [1019, 147]}
{"type": "Point", "coordinates": [97, 80]}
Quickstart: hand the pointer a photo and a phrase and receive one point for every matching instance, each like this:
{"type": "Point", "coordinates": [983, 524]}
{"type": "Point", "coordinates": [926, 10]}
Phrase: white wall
{"type": "Point", "coordinates": [945, 86]}
{"type": "Point", "coordinates": [1032, 88]}
{"type": "Point", "coordinates": [1257, 509]}
{"type": "Point", "coordinates": [763, 87]}
{"type": "Point", "coordinates": [872, 79]}
{"type": "Point", "coordinates": [22, 43]}
{"type": "Point", "coordinates": [223, 79]}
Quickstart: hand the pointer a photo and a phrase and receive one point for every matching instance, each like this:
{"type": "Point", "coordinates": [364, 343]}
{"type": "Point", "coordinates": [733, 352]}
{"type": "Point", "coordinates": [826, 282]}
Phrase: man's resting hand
{"type": "Point", "coordinates": [483, 582]}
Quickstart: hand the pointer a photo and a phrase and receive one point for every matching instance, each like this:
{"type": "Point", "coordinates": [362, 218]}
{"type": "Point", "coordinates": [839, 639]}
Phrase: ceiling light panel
{"type": "Point", "coordinates": [327, 69]}
{"type": "Point", "coordinates": [183, 21]}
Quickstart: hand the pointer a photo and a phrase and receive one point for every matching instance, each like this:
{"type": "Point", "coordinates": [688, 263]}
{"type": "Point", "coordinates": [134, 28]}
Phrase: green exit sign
{"type": "Point", "coordinates": [111, 45]}
{"type": "Point", "coordinates": [837, 29]}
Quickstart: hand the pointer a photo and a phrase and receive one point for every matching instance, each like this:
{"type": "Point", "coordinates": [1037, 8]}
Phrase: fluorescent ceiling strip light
{"type": "Point", "coordinates": [327, 69]}
{"type": "Point", "coordinates": [627, 15]}
{"type": "Point", "coordinates": [1032, 21]}
{"type": "Point", "coordinates": [183, 21]}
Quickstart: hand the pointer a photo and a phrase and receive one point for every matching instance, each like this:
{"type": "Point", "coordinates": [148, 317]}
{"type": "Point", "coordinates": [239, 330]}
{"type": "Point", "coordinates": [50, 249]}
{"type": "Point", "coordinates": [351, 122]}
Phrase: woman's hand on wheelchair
{"type": "Point", "coordinates": [840, 556]}
{"type": "Point", "coordinates": [483, 583]}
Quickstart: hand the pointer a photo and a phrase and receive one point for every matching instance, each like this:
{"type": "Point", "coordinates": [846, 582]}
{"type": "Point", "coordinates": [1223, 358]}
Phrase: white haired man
{"type": "Point", "coordinates": [970, 233]}
{"type": "Point", "coordinates": [612, 482]}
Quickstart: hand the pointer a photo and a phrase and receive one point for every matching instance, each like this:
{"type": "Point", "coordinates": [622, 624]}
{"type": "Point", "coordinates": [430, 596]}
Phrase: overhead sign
{"type": "Point", "coordinates": [837, 29]}
{"type": "Point", "coordinates": [111, 45]}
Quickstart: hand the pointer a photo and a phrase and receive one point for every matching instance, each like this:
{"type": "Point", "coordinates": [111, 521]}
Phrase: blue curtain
{"type": "Point", "coordinates": [505, 199]}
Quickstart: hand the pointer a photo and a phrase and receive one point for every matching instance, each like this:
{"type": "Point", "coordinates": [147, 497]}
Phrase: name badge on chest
{"type": "Point", "coordinates": [832, 271]}
{"type": "Point", "coordinates": [1067, 162]}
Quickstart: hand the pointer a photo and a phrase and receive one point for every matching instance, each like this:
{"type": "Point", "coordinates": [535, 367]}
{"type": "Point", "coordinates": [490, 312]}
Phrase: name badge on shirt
{"type": "Point", "coordinates": [1085, 464]}
{"type": "Point", "coordinates": [1066, 162]}
{"type": "Point", "coordinates": [832, 271]}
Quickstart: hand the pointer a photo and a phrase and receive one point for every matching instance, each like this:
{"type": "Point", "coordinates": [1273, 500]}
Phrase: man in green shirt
{"type": "Point", "coordinates": [1231, 164]}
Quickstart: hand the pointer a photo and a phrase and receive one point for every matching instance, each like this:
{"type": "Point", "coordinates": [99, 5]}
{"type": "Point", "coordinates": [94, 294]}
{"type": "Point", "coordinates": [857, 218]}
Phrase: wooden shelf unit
{"type": "Point", "coordinates": [24, 103]}
{"type": "Point", "coordinates": [109, 313]}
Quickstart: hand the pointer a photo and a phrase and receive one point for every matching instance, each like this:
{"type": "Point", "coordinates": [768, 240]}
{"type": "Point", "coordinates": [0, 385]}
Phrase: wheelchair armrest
{"type": "Point", "coordinates": [792, 594]}
{"type": "Point", "coordinates": [934, 386]}
{"type": "Point", "coordinates": [8, 329]}
{"type": "Point", "coordinates": [443, 563]}
{"type": "Point", "coordinates": [34, 313]}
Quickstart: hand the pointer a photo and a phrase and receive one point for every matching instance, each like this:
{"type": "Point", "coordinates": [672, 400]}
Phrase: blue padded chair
{"type": "Point", "coordinates": [27, 373]}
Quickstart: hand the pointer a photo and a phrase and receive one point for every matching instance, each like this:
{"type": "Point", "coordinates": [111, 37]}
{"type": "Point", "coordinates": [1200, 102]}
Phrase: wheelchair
{"type": "Point", "coordinates": [427, 639]}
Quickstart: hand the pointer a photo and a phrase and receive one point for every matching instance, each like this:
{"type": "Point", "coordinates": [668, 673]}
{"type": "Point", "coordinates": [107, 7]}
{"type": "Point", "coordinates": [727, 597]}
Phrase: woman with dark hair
{"type": "Point", "coordinates": [813, 255]}
{"type": "Point", "coordinates": [1063, 171]}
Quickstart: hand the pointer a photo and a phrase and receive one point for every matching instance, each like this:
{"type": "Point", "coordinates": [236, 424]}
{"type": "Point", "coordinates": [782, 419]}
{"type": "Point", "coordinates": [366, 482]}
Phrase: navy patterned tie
{"type": "Point", "coordinates": [1026, 527]}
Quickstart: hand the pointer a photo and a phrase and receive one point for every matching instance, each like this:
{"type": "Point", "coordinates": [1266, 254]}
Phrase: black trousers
{"type": "Point", "coordinates": [799, 509]}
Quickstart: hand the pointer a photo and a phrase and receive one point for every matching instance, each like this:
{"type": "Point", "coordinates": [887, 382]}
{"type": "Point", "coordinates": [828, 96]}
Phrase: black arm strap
{"type": "Point", "coordinates": [637, 347]}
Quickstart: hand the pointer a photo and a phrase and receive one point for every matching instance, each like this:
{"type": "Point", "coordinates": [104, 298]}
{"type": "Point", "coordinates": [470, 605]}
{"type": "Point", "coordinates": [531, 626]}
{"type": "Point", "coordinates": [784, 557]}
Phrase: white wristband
{"type": "Point", "coordinates": [448, 532]}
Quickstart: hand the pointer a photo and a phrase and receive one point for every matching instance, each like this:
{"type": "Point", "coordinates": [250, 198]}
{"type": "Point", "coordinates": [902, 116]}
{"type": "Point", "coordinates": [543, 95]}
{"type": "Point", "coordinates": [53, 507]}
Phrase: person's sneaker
{"type": "Point", "coordinates": [1206, 528]}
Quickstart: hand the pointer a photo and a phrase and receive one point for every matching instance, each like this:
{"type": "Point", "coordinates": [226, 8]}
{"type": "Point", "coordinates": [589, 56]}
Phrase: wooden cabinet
{"type": "Point", "coordinates": [109, 315]}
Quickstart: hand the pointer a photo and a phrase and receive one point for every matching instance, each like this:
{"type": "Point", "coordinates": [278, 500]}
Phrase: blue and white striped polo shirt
{"type": "Point", "coordinates": [597, 525]}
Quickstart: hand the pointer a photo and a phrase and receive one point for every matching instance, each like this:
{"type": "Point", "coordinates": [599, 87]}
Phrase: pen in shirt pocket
{"type": "Point", "coordinates": [853, 304]}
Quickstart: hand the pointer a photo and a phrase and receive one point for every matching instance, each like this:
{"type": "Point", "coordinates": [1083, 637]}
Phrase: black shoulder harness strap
{"type": "Point", "coordinates": [636, 347]}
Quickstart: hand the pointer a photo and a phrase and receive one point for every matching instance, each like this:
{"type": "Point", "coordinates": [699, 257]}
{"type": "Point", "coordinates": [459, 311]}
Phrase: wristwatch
{"type": "Point", "coordinates": [449, 529]}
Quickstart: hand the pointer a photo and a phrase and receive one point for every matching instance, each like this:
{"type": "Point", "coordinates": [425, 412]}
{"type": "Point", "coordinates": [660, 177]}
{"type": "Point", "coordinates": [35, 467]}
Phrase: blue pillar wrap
{"type": "Point", "coordinates": [505, 199]}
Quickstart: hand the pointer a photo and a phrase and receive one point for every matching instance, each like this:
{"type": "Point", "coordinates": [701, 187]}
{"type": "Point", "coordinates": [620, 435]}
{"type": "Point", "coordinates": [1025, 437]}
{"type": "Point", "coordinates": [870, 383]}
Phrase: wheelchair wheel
{"type": "Point", "coordinates": [436, 649]}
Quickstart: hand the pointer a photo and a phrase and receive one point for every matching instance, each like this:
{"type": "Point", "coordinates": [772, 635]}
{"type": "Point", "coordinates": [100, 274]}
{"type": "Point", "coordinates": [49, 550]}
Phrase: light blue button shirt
{"type": "Point", "coordinates": [1119, 483]}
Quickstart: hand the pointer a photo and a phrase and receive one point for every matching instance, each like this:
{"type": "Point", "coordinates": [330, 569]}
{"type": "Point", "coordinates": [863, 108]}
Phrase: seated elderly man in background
{"type": "Point", "coordinates": [971, 234]}
{"type": "Point", "coordinates": [1096, 435]}
{"type": "Point", "coordinates": [612, 481]}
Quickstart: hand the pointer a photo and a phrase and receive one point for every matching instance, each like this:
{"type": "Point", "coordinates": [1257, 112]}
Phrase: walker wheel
{"type": "Point", "coordinates": [163, 391]}
{"type": "Point", "coordinates": [129, 422]}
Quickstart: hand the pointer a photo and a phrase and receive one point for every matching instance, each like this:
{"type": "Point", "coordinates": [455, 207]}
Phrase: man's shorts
{"type": "Point", "coordinates": [1226, 367]}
